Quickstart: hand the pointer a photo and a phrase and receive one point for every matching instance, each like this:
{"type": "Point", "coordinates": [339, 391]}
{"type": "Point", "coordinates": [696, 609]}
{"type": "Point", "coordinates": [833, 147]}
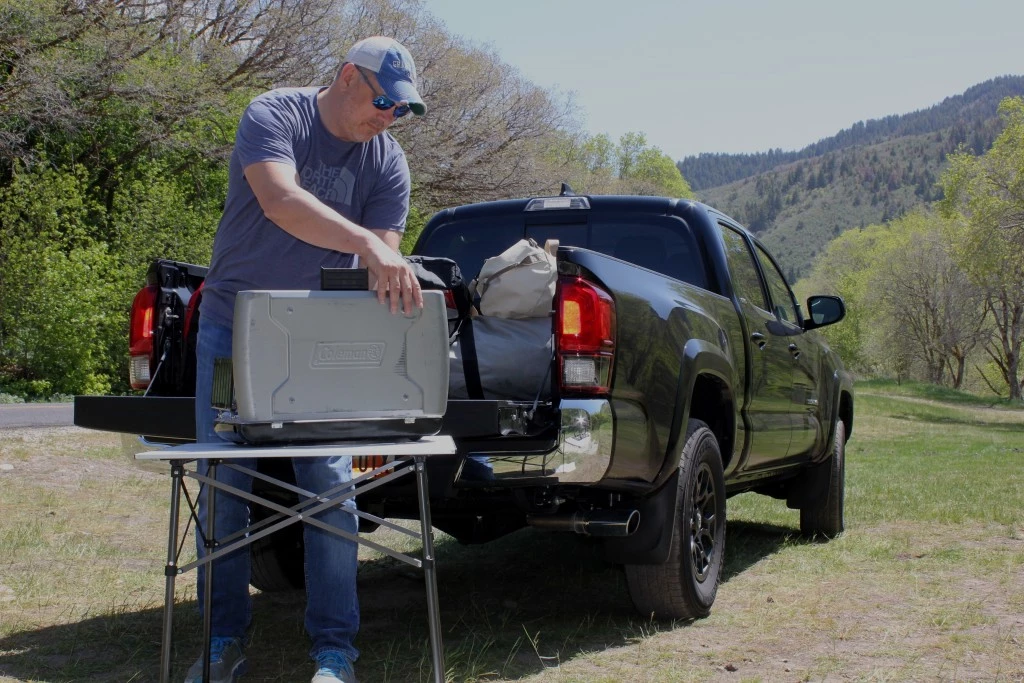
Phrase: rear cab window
{"type": "Point", "coordinates": [663, 244]}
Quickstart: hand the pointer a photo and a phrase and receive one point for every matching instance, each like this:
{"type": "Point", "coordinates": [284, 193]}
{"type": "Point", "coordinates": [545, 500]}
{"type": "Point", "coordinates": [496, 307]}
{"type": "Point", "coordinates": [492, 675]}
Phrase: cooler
{"type": "Point", "coordinates": [329, 365]}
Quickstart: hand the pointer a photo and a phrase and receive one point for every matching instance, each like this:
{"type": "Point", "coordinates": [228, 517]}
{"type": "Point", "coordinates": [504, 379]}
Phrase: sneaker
{"type": "Point", "coordinates": [333, 667]}
{"type": "Point", "coordinates": [227, 662]}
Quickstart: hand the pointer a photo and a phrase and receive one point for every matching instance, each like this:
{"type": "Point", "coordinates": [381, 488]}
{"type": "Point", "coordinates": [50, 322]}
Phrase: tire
{"type": "Point", "coordinates": [277, 561]}
{"type": "Point", "coordinates": [823, 515]}
{"type": "Point", "coordinates": [685, 585]}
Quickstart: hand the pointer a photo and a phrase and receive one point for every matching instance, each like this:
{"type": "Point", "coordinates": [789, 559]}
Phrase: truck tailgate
{"type": "Point", "coordinates": [475, 425]}
{"type": "Point", "coordinates": [160, 417]}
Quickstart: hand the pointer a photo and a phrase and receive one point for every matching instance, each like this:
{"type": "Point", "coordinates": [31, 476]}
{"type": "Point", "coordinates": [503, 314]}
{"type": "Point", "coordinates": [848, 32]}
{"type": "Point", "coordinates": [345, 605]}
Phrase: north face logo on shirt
{"type": "Point", "coordinates": [329, 184]}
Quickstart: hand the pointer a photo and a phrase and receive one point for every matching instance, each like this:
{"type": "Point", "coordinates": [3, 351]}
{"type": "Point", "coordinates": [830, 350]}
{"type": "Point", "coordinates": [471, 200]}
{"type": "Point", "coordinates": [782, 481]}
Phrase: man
{"type": "Point", "coordinates": [315, 180]}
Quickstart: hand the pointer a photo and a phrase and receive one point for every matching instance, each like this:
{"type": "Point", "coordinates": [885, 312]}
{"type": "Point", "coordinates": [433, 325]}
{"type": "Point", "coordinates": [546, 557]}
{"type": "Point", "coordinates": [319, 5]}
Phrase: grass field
{"type": "Point", "coordinates": [927, 583]}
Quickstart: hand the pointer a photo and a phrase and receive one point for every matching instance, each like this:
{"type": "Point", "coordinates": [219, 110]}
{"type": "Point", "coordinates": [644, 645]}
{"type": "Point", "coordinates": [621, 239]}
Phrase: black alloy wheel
{"type": "Point", "coordinates": [703, 519]}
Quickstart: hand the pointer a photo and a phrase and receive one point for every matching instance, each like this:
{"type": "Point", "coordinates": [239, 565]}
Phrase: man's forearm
{"type": "Point", "coordinates": [300, 214]}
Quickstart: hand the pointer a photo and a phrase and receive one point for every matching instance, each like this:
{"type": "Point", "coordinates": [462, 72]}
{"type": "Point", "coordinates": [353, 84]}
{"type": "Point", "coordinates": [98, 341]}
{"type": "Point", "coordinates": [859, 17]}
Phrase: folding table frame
{"type": "Point", "coordinates": [409, 456]}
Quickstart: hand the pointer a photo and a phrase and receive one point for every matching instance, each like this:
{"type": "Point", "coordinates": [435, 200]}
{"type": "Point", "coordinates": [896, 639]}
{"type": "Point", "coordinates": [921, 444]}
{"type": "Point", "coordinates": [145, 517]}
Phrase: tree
{"type": "Point", "coordinates": [988, 193]}
{"type": "Point", "coordinates": [932, 311]}
{"type": "Point", "coordinates": [596, 165]}
{"type": "Point", "coordinates": [117, 118]}
{"type": "Point", "coordinates": [911, 310]}
{"type": "Point", "coordinates": [843, 270]}
{"type": "Point", "coordinates": [107, 80]}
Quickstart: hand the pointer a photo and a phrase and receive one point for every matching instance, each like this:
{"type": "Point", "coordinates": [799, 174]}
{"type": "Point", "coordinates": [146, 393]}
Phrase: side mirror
{"type": "Point", "coordinates": [824, 310]}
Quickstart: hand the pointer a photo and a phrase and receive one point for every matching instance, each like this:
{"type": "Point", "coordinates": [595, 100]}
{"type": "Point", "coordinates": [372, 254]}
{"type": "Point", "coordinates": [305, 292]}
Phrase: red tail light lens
{"type": "Point", "coordinates": [585, 336]}
{"type": "Point", "coordinates": [192, 310]}
{"type": "Point", "coordinates": [140, 336]}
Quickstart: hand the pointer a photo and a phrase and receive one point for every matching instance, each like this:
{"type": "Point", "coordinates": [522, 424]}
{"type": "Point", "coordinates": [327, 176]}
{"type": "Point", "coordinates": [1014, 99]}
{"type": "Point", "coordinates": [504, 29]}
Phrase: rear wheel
{"type": "Point", "coordinates": [277, 560]}
{"type": "Point", "coordinates": [685, 585]}
{"type": "Point", "coordinates": [823, 514]}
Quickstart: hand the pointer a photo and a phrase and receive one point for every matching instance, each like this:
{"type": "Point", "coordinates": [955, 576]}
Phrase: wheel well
{"type": "Point", "coordinates": [846, 411]}
{"type": "Point", "coordinates": [712, 403]}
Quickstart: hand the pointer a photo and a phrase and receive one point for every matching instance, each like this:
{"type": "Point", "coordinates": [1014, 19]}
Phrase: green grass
{"type": "Point", "coordinates": [926, 583]}
{"type": "Point", "coordinates": [934, 392]}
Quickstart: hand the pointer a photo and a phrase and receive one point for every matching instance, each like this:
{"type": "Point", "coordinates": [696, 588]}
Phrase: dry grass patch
{"type": "Point", "coordinates": [908, 614]}
{"type": "Point", "coordinates": [926, 584]}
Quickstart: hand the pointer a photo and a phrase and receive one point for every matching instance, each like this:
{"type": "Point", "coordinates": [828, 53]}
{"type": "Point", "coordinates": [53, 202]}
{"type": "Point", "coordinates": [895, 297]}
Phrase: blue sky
{"type": "Point", "coordinates": [745, 76]}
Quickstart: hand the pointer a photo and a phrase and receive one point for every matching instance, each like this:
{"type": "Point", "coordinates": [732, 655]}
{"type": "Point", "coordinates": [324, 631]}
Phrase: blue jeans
{"type": "Point", "coordinates": [332, 608]}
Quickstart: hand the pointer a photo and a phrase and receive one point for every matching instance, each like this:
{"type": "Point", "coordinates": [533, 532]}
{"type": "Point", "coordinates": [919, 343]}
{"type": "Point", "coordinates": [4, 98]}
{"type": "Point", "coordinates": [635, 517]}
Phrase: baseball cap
{"type": "Point", "coordinates": [393, 66]}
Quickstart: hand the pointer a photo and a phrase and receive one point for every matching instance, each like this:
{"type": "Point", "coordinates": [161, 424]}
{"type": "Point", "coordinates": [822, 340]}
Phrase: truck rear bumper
{"type": "Point", "coordinates": [582, 454]}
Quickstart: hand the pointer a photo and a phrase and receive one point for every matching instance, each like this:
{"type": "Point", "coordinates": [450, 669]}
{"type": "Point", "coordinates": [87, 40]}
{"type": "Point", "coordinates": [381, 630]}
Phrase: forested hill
{"type": "Point", "coordinates": [797, 207]}
{"type": "Point", "coordinates": [974, 106]}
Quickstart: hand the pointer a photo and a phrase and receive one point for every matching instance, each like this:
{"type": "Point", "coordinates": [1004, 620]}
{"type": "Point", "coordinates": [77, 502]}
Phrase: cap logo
{"type": "Point", "coordinates": [397, 63]}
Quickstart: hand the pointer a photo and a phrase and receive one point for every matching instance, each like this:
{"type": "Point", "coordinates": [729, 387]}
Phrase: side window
{"type": "Point", "coordinates": [782, 298]}
{"type": "Point", "coordinates": [745, 279]}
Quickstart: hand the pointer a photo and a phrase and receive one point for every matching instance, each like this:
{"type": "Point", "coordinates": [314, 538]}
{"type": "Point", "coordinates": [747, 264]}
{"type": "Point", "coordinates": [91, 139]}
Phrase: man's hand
{"type": "Point", "coordinates": [395, 277]}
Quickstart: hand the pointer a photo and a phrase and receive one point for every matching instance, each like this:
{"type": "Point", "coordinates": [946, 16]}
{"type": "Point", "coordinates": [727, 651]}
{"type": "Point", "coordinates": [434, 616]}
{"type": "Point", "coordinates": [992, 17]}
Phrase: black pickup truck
{"type": "Point", "coordinates": [684, 372]}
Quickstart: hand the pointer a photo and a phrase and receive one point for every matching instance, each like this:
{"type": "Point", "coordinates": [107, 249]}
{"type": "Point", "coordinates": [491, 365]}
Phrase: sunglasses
{"type": "Point", "coordinates": [382, 102]}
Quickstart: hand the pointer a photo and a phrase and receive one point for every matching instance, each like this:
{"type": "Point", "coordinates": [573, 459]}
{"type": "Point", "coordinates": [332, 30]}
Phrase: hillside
{"type": "Point", "coordinates": [974, 106]}
{"type": "Point", "coordinates": [866, 174]}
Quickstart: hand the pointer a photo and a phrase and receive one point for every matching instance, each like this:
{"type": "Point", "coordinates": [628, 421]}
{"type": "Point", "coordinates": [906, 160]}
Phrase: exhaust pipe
{"type": "Point", "coordinates": [601, 523]}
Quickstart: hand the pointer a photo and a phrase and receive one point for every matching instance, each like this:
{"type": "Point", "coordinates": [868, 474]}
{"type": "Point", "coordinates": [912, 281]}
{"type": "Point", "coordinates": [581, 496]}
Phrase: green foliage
{"type": "Point", "coordinates": [928, 293]}
{"type": "Point", "coordinates": [413, 227]}
{"type": "Point", "coordinates": [659, 172]}
{"type": "Point", "coordinates": [56, 318]}
{"type": "Point", "coordinates": [987, 192]}
{"type": "Point", "coordinates": [115, 129]}
{"type": "Point", "coordinates": [112, 151]}
{"type": "Point", "coordinates": [596, 165]}
{"type": "Point", "coordinates": [842, 270]}
{"type": "Point", "coordinates": [74, 255]}
{"type": "Point", "coordinates": [911, 310]}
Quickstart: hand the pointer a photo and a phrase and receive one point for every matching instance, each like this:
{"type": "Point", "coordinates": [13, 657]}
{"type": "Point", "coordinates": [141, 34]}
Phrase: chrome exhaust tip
{"type": "Point", "coordinates": [600, 523]}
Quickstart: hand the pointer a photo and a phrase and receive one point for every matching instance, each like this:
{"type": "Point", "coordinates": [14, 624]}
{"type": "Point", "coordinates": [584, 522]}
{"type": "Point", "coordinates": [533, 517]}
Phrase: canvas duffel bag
{"type": "Point", "coordinates": [501, 359]}
{"type": "Point", "coordinates": [518, 283]}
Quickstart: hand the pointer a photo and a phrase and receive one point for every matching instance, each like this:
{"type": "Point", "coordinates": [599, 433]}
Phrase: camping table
{"type": "Point", "coordinates": [409, 456]}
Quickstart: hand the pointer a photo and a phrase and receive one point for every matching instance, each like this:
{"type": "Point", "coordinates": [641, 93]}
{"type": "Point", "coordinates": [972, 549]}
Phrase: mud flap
{"type": "Point", "coordinates": [651, 542]}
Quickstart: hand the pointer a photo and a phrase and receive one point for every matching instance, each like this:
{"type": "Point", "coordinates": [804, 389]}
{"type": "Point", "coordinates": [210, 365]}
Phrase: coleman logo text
{"type": "Point", "coordinates": [347, 355]}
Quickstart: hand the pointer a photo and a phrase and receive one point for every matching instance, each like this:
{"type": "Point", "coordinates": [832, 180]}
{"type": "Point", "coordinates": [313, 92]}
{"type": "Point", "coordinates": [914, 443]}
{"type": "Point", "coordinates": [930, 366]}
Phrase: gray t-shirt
{"type": "Point", "coordinates": [368, 183]}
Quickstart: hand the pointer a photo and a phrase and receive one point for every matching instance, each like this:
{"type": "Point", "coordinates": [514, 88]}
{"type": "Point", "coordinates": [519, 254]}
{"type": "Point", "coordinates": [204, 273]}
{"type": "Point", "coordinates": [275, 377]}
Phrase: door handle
{"type": "Point", "coordinates": [758, 339]}
{"type": "Point", "coordinates": [795, 350]}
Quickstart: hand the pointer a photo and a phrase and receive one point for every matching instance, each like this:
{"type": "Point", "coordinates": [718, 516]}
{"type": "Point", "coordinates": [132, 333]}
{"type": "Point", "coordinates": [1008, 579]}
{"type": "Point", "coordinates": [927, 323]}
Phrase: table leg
{"type": "Point", "coordinates": [171, 572]}
{"type": "Point", "coordinates": [430, 570]}
{"type": "Point", "coordinates": [211, 545]}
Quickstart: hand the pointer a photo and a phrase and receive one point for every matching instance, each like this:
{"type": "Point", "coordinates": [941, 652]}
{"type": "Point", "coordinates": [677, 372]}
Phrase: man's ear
{"type": "Point", "coordinates": [346, 73]}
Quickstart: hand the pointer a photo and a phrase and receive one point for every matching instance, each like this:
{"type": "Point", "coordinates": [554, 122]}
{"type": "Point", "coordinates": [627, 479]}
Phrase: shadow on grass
{"type": "Point", "coordinates": [509, 609]}
{"type": "Point", "coordinates": [747, 543]}
{"type": "Point", "coordinates": [1009, 427]}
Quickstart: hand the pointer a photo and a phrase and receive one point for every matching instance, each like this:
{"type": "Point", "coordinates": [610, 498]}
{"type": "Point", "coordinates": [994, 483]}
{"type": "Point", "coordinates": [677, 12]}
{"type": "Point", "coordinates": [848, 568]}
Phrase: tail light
{"type": "Point", "coordinates": [584, 336]}
{"type": "Point", "coordinates": [140, 337]}
{"type": "Point", "coordinates": [192, 311]}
